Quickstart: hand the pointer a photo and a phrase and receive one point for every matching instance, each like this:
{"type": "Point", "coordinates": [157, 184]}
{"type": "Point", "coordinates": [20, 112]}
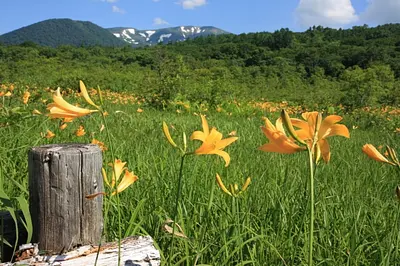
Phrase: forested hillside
{"type": "Point", "coordinates": [355, 67]}
{"type": "Point", "coordinates": [55, 32]}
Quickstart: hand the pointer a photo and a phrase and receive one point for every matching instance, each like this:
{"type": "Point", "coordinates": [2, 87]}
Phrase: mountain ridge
{"type": "Point", "coordinates": [138, 37]}
{"type": "Point", "coordinates": [65, 31]}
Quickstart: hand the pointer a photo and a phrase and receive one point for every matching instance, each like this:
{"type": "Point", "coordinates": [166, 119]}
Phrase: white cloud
{"type": "Point", "coordinates": [191, 4]}
{"type": "Point", "coordinates": [382, 11]}
{"type": "Point", "coordinates": [159, 21]}
{"type": "Point", "coordinates": [109, 1]}
{"type": "Point", "coordinates": [329, 13]}
{"type": "Point", "coordinates": [116, 9]}
{"type": "Point", "coordinates": [156, 0]}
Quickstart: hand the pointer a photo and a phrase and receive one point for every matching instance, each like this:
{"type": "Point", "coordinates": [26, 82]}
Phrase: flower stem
{"type": "Point", "coordinates": [118, 201]}
{"type": "Point", "coordinates": [397, 221]}
{"type": "Point", "coordinates": [311, 232]}
{"type": "Point", "coordinates": [178, 195]}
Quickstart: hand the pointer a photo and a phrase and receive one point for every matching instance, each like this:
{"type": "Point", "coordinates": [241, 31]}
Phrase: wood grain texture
{"type": "Point", "coordinates": [135, 251]}
{"type": "Point", "coordinates": [60, 175]}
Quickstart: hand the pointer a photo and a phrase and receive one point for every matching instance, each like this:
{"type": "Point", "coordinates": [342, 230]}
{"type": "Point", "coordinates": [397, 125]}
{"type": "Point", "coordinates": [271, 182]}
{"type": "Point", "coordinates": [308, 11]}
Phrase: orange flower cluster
{"type": "Point", "coordinates": [312, 131]}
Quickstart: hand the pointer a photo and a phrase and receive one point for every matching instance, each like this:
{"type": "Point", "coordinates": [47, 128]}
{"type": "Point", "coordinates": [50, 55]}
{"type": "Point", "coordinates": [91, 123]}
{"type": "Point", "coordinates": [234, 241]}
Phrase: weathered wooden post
{"type": "Point", "coordinates": [60, 176]}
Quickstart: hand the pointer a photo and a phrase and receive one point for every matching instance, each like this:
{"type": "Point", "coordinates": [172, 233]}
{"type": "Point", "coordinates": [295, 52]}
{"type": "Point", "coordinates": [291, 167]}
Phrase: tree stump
{"type": "Point", "coordinates": [60, 176]}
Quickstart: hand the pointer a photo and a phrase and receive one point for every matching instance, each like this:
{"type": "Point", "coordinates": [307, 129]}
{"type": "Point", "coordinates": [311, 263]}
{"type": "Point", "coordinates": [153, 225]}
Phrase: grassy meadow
{"type": "Point", "coordinates": [357, 215]}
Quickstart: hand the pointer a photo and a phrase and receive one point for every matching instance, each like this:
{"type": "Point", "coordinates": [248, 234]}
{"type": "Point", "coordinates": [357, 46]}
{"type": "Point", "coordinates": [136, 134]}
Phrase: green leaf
{"type": "Point", "coordinates": [131, 229]}
{"type": "Point", "coordinates": [5, 199]}
{"type": "Point", "coordinates": [27, 222]}
{"type": "Point", "coordinates": [4, 241]}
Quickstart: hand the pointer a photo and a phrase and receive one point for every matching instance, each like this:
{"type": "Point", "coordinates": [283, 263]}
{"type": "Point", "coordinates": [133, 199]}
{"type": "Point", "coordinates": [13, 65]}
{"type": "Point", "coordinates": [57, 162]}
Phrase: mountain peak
{"type": "Point", "coordinates": [63, 31]}
{"type": "Point", "coordinates": [164, 35]}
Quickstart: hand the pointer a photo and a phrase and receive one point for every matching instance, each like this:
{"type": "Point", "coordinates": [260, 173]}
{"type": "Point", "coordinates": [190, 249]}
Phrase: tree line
{"type": "Point", "coordinates": [355, 67]}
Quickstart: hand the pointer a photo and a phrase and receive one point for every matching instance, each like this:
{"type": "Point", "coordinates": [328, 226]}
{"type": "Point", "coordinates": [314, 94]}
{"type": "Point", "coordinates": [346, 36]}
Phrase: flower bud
{"type": "Point", "coordinates": [168, 135]}
{"type": "Point", "coordinates": [288, 124]}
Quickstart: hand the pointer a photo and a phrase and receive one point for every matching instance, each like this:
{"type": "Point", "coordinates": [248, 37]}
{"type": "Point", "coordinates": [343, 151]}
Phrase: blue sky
{"type": "Point", "coordinates": [236, 16]}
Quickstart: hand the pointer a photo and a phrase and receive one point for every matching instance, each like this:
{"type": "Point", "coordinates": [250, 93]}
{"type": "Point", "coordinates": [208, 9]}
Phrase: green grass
{"type": "Point", "coordinates": [356, 219]}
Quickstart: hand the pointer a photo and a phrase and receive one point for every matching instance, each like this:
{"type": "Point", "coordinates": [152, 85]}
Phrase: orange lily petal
{"type": "Point", "coordinates": [268, 124]}
{"type": "Point", "coordinates": [85, 94]}
{"type": "Point", "coordinates": [374, 154]}
{"type": "Point", "coordinates": [128, 179]}
{"type": "Point", "coordinates": [279, 142]}
{"type": "Point", "coordinates": [279, 125]}
{"type": "Point", "coordinates": [339, 130]}
{"type": "Point", "coordinates": [198, 135]}
{"type": "Point", "coordinates": [311, 118]}
{"type": "Point", "coordinates": [225, 142]}
{"type": "Point", "coordinates": [304, 132]}
{"type": "Point", "coordinates": [50, 134]}
{"type": "Point", "coordinates": [223, 154]}
{"type": "Point", "coordinates": [330, 120]}
{"type": "Point", "coordinates": [61, 103]}
{"type": "Point", "coordinates": [56, 112]}
{"type": "Point", "coordinates": [325, 150]}
{"type": "Point", "coordinates": [61, 108]}
{"type": "Point", "coordinates": [205, 125]}
{"type": "Point", "coordinates": [222, 186]}
{"type": "Point", "coordinates": [118, 168]}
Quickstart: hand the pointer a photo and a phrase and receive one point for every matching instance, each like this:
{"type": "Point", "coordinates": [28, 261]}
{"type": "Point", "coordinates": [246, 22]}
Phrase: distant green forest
{"type": "Point", "coordinates": [354, 67]}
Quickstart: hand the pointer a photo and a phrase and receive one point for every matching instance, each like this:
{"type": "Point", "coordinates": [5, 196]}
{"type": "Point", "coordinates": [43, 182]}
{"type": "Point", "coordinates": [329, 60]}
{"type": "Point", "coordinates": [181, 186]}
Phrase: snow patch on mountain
{"type": "Point", "coordinates": [191, 29]}
{"type": "Point", "coordinates": [137, 37]}
{"type": "Point", "coordinates": [126, 35]}
{"type": "Point", "coordinates": [162, 36]}
{"type": "Point", "coordinates": [150, 32]}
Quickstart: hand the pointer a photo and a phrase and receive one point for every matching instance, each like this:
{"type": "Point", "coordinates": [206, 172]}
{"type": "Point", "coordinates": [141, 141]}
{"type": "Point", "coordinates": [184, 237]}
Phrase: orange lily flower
{"type": "Point", "coordinates": [100, 144]}
{"type": "Point", "coordinates": [63, 126]}
{"type": "Point", "coordinates": [49, 134]}
{"type": "Point", "coordinates": [25, 97]}
{"type": "Point", "coordinates": [278, 141]}
{"type": "Point", "coordinates": [62, 109]}
{"type": "Point", "coordinates": [212, 141]}
{"type": "Point", "coordinates": [128, 179]}
{"type": "Point", "coordinates": [327, 128]}
{"type": "Point", "coordinates": [374, 154]}
{"type": "Point", "coordinates": [80, 131]}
